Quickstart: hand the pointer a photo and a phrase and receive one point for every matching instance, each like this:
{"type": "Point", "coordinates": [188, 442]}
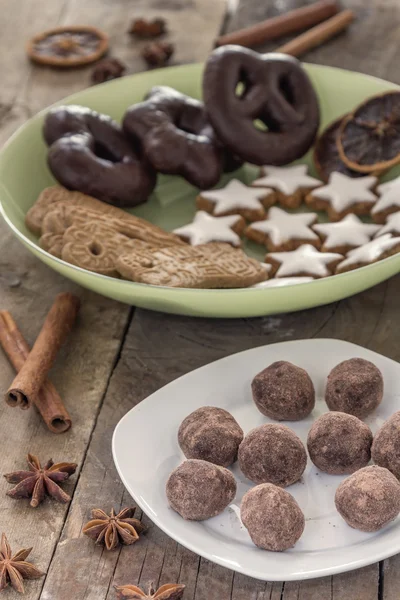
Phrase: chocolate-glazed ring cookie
{"type": "Point", "coordinates": [177, 137]}
{"type": "Point", "coordinates": [90, 153]}
{"type": "Point", "coordinates": [262, 107]}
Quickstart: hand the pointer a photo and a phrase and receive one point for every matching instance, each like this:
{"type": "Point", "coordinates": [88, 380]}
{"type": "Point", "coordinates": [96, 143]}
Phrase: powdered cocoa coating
{"type": "Point", "coordinates": [199, 490]}
{"type": "Point", "coordinates": [272, 517]}
{"type": "Point", "coordinates": [283, 392]}
{"type": "Point", "coordinates": [369, 499]}
{"type": "Point", "coordinates": [272, 453]}
{"type": "Point", "coordinates": [211, 434]}
{"type": "Point", "coordinates": [355, 387]}
{"type": "Point", "coordinates": [386, 445]}
{"type": "Point", "coordinates": [339, 443]}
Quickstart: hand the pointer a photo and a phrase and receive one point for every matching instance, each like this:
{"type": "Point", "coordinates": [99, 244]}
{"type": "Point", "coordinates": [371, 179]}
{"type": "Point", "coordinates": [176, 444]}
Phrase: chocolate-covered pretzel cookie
{"type": "Point", "coordinates": [262, 107]}
{"type": "Point", "coordinates": [177, 137]}
{"type": "Point", "coordinates": [90, 153]}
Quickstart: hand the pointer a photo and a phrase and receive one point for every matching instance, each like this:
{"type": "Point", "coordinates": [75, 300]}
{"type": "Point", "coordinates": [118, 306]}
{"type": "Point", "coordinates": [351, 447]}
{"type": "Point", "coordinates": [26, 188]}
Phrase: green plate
{"type": "Point", "coordinates": [24, 173]}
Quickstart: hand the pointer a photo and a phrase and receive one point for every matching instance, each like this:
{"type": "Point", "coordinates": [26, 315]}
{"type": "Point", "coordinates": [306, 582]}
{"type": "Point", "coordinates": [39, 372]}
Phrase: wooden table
{"type": "Point", "coordinates": [118, 355]}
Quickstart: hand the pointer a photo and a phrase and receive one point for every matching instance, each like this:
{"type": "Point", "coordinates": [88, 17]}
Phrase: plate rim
{"type": "Point", "coordinates": [355, 564]}
{"type": "Point", "coordinates": [34, 246]}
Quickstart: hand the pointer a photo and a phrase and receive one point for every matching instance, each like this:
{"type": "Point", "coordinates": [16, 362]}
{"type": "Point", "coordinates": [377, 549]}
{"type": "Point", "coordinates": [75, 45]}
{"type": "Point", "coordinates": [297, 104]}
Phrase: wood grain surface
{"type": "Point", "coordinates": [116, 356]}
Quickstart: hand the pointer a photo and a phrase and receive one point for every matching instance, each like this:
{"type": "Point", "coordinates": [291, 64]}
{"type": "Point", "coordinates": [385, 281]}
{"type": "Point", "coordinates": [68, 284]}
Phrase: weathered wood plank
{"type": "Point", "coordinates": [80, 374]}
{"type": "Point", "coordinates": [369, 46]}
{"type": "Point", "coordinates": [391, 578]}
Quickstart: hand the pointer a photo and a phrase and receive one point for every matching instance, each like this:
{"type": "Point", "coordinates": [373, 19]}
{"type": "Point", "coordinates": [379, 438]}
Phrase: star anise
{"type": "Point", "coordinates": [39, 481]}
{"type": "Point", "coordinates": [169, 591]}
{"type": "Point", "coordinates": [147, 29]}
{"type": "Point", "coordinates": [14, 569]}
{"type": "Point", "coordinates": [107, 69]}
{"type": "Point", "coordinates": [112, 530]}
{"type": "Point", "coordinates": [157, 54]}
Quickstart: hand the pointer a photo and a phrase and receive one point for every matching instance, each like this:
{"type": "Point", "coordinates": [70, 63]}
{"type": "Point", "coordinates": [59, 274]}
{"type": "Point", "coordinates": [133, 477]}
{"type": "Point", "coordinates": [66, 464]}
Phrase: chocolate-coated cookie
{"type": "Point", "coordinates": [263, 107]}
{"type": "Point", "coordinates": [177, 137]}
{"type": "Point", "coordinates": [89, 153]}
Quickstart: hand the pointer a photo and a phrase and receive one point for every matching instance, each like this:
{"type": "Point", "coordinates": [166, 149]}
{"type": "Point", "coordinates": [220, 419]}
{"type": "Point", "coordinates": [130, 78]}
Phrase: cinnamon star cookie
{"type": "Point", "coordinates": [236, 199]}
{"type": "Point", "coordinates": [344, 195]}
{"type": "Point", "coordinates": [282, 281]}
{"type": "Point", "coordinates": [392, 225]}
{"type": "Point", "coordinates": [389, 201]}
{"type": "Point", "coordinates": [205, 229]}
{"type": "Point", "coordinates": [379, 248]}
{"type": "Point", "coordinates": [306, 261]}
{"type": "Point", "coordinates": [346, 234]}
{"type": "Point", "coordinates": [290, 184]}
{"type": "Point", "coordinates": [284, 231]}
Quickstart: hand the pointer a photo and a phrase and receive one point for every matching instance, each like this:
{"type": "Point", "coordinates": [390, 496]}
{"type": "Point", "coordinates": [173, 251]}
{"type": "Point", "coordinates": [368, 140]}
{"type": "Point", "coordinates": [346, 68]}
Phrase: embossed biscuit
{"type": "Point", "coordinates": [95, 246]}
{"type": "Point", "coordinates": [192, 267]}
{"type": "Point", "coordinates": [75, 205]}
{"type": "Point", "coordinates": [52, 243]}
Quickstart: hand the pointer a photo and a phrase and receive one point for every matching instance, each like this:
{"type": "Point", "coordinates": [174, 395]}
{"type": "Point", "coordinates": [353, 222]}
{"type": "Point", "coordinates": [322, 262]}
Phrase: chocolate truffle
{"type": "Point", "coordinates": [386, 445]}
{"type": "Point", "coordinates": [369, 499]}
{"type": "Point", "coordinates": [272, 454]}
{"type": "Point", "coordinates": [199, 490]}
{"type": "Point", "coordinates": [355, 387]}
{"type": "Point", "coordinates": [339, 443]}
{"type": "Point", "coordinates": [272, 517]}
{"type": "Point", "coordinates": [283, 392]}
{"type": "Point", "coordinates": [211, 434]}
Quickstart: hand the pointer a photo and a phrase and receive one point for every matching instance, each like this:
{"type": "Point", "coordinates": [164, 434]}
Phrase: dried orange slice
{"type": "Point", "coordinates": [70, 46]}
{"type": "Point", "coordinates": [326, 153]}
{"type": "Point", "coordinates": [369, 138]}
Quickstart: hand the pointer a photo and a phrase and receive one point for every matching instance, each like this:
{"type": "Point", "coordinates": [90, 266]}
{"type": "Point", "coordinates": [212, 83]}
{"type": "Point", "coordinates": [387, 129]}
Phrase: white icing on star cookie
{"type": "Point", "coordinates": [282, 282]}
{"type": "Point", "coordinates": [385, 187]}
{"type": "Point", "coordinates": [287, 180]}
{"type": "Point", "coordinates": [304, 260]}
{"type": "Point", "coordinates": [389, 197]}
{"type": "Point", "coordinates": [282, 226]}
{"type": "Point", "coordinates": [235, 196]}
{"type": "Point", "coordinates": [392, 225]}
{"type": "Point", "coordinates": [350, 231]}
{"type": "Point", "coordinates": [369, 253]}
{"type": "Point", "coordinates": [343, 192]}
{"type": "Point", "coordinates": [205, 229]}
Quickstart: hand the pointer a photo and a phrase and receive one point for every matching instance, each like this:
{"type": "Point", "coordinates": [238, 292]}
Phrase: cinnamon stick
{"type": "Point", "coordinates": [290, 22]}
{"type": "Point", "coordinates": [318, 35]}
{"type": "Point", "coordinates": [48, 401]}
{"type": "Point", "coordinates": [26, 386]}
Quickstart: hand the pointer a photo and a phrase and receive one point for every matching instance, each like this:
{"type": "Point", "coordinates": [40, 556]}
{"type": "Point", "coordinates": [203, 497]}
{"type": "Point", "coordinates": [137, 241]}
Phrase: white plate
{"type": "Point", "coordinates": [145, 451]}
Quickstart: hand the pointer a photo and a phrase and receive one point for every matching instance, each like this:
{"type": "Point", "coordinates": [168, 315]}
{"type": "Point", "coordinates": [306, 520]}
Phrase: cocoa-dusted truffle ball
{"type": "Point", "coordinates": [199, 490]}
{"type": "Point", "coordinates": [369, 499]}
{"type": "Point", "coordinates": [355, 387]}
{"type": "Point", "coordinates": [283, 392]}
{"type": "Point", "coordinates": [386, 445]}
{"type": "Point", "coordinates": [339, 443]}
{"type": "Point", "coordinates": [272, 517]}
{"type": "Point", "coordinates": [211, 434]}
{"type": "Point", "coordinates": [272, 454]}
